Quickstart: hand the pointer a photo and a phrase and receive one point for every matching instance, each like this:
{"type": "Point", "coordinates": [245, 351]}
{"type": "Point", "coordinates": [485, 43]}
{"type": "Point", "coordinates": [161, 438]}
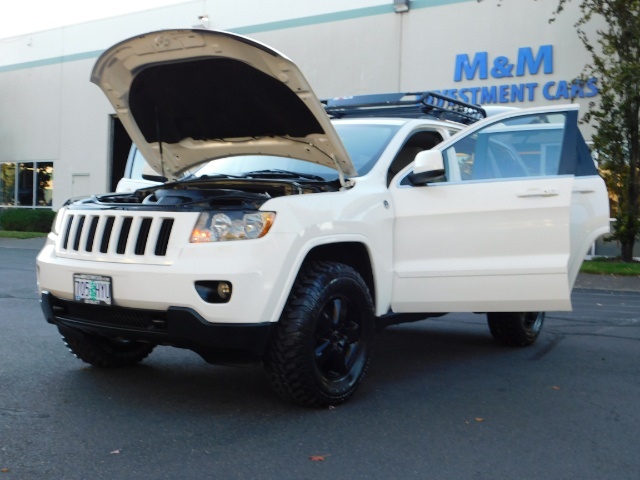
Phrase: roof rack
{"type": "Point", "coordinates": [405, 105]}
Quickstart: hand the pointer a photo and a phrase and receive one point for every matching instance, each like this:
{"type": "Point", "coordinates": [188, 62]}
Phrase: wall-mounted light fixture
{"type": "Point", "coordinates": [401, 6]}
{"type": "Point", "coordinates": [203, 22]}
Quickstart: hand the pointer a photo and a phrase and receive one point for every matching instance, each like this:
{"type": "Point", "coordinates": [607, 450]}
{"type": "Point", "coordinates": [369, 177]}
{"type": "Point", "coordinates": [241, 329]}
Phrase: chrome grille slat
{"type": "Point", "coordinates": [106, 234]}
{"type": "Point", "coordinates": [123, 235]}
{"type": "Point", "coordinates": [67, 231]}
{"type": "Point", "coordinates": [154, 231]}
{"type": "Point", "coordinates": [97, 241]}
{"type": "Point", "coordinates": [134, 233]}
{"type": "Point", "coordinates": [80, 225]}
{"type": "Point", "coordinates": [163, 236]}
{"type": "Point", "coordinates": [143, 235]}
{"type": "Point", "coordinates": [91, 234]}
{"type": "Point", "coordinates": [76, 229]}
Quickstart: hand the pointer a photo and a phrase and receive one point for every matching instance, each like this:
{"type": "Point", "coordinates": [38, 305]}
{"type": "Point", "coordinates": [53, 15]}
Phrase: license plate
{"type": "Point", "coordinates": [94, 289]}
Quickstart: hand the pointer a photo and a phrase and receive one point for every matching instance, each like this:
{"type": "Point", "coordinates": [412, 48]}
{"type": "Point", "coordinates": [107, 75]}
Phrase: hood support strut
{"type": "Point", "coordinates": [160, 150]}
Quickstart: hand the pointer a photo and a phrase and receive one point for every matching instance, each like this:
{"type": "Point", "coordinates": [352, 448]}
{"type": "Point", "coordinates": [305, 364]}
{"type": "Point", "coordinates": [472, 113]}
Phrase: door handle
{"type": "Point", "coordinates": [539, 192]}
{"type": "Point", "coordinates": [583, 190]}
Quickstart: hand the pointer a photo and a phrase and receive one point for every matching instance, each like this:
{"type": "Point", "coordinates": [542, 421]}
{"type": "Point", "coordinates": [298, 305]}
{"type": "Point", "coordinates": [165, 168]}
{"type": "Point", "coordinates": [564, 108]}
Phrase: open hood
{"type": "Point", "coordinates": [189, 96]}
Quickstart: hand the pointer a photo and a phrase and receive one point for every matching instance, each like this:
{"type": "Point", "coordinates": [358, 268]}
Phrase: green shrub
{"type": "Point", "coordinates": [610, 266]}
{"type": "Point", "coordinates": [26, 219]}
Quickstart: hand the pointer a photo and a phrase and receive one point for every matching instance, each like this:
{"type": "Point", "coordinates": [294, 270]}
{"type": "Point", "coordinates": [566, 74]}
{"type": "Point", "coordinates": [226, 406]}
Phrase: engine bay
{"type": "Point", "coordinates": [204, 193]}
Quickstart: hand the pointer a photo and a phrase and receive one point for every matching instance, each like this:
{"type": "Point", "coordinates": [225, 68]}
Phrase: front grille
{"type": "Point", "coordinates": [110, 316]}
{"type": "Point", "coordinates": [116, 234]}
{"type": "Point", "coordinates": [143, 235]}
{"type": "Point", "coordinates": [92, 234]}
{"type": "Point", "coordinates": [163, 237]}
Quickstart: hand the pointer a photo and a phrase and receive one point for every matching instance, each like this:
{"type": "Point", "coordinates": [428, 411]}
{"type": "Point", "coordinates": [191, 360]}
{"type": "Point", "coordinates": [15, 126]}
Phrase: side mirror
{"type": "Point", "coordinates": [427, 167]}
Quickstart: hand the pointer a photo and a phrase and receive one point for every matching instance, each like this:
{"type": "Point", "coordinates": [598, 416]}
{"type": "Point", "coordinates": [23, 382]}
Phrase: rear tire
{"type": "Point", "coordinates": [321, 349]}
{"type": "Point", "coordinates": [106, 352]}
{"type": "Point", "coordinates": [515, 329]}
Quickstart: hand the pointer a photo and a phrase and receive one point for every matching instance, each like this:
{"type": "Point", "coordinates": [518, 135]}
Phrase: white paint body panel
{"type": "Point", "coordinates": [503, 244]}
{"type": "Point", "coordinates": [261, 271]}
{"type": "Point", "coordinates": [482, 246]}
{"type": "Point", "coordinates": [117, 68]}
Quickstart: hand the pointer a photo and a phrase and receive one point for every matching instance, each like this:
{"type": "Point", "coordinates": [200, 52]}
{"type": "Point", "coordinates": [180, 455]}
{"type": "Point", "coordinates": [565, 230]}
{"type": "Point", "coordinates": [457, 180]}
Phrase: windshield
{"type": "Point", "coordinates": [364, 143]}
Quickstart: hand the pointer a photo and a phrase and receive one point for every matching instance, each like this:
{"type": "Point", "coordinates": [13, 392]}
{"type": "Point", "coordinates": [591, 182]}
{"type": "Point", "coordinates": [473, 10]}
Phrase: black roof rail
{"type": "Point", "coordinates": [405, 105]}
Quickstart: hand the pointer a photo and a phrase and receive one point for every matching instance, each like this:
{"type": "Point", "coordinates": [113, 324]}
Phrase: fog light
{"type": "Point", "coordinates": [224, 290]}
{"type": "Point", "coordinates": [214, 291]}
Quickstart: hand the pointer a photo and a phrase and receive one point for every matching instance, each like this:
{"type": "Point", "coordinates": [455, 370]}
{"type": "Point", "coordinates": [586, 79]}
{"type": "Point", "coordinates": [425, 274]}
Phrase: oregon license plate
{"type": "Point", "coordinates": [94, 289]}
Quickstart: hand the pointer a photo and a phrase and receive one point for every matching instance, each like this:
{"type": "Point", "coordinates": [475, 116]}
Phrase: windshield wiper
{"type": "Point", "coordinates": [194, 177]}
{"type": "Point", "coordinates": [275, 173]}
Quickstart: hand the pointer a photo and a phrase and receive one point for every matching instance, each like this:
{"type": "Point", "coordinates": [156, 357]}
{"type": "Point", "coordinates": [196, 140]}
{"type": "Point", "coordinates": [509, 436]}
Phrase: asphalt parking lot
{"type": "Point", "coordinates": [442, 401]}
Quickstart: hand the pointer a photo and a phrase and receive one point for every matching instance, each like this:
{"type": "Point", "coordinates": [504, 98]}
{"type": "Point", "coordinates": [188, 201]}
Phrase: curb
{"type": "Point", "coordinates": [23, 243]}
{"type": "Point", "coordinates": [608, 282]}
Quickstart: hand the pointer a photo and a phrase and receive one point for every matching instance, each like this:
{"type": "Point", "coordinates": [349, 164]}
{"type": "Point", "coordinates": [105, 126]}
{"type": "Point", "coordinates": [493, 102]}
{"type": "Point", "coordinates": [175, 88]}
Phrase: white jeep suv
{"type": "Point", "coordinates": [312, 224]}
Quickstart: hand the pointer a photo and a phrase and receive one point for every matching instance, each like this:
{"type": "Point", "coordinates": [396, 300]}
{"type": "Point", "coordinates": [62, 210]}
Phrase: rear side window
{"type": "Point", "coordinates": [137, 163]}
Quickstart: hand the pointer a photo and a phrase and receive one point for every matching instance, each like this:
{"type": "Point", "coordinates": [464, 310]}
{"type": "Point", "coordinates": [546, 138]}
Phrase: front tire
{"type": "Point", "coordinates": [106, 352]}
{"type": "Point", "coordinates": [515, 329]}
{"type": "Point", "coordinates": [321, 349]}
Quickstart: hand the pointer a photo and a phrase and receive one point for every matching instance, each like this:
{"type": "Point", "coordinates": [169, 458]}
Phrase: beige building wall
{"type": "Point", "coordinates": [49, 111]}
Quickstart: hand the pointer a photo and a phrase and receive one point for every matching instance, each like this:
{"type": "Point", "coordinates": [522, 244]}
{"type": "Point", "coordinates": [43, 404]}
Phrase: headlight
{"type": "Point", "coordinates": [233, 225]}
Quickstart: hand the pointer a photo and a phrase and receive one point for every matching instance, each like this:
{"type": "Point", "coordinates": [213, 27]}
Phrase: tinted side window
{"type": "Point", "coordinates": [418, 142]}
{"type": "Point", "coordinates": [526, 146]}
{"type": "Point", "coordinates": [137, 165]}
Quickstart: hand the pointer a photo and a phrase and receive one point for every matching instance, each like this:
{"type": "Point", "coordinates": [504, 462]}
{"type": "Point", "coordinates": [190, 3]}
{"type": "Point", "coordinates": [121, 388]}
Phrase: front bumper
{"type": "Point", "coordinates": [177, 326]}
{"type": "Point", "coordinates": [254, 269]}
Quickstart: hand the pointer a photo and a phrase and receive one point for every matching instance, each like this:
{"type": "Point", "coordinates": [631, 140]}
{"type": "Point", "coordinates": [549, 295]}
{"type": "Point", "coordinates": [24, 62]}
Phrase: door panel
{"type": "Point", "coordinates": [508, 229]}
{"type": "Point", "coordinates": [589, 219]}
{"type": "Point", "coordinates": [483, 246]}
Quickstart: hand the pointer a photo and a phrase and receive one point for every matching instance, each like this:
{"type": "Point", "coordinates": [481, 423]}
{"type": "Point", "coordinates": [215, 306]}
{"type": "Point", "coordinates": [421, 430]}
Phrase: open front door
{"type": "Point", "coordinates": [508, 227]}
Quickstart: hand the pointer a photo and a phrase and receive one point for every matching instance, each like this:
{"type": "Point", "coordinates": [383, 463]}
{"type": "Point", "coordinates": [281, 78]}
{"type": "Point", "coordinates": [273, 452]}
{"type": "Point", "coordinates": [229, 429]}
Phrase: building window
{"type": "Point", "coordinates": [26, 184]}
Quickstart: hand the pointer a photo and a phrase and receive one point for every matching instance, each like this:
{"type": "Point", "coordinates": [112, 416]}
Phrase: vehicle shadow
{"type": "Point", "coordinates": [173, 380]}
{"type": "Point", "coordinates": [406, 351]}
